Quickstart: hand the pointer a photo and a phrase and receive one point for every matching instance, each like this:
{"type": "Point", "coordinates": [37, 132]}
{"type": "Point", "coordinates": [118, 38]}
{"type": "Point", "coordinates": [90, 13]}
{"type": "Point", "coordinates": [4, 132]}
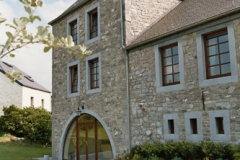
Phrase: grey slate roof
{"type": "Point", "coordinates": [187, 14]}
{"type": "Point", "coordinates": [26, 80]}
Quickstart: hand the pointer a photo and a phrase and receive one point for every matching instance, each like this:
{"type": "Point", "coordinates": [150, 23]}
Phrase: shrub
{"type": "Point", "coordinates": [34, 124]}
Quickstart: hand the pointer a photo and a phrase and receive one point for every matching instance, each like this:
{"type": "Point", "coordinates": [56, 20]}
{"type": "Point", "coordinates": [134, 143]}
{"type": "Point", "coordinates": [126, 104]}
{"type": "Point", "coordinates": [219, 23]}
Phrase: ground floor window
{"type": "Point", "coordinates": [87, 140]}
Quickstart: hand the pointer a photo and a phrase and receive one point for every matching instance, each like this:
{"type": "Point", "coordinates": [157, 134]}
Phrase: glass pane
{"type": "Point", "coordinates": [82, 142]}
{"type": "Point", "coordinates": [175, 50]}
{"type": "Point", "coordinates": [167, 61]}
{"type": "Point", "coordinates": [70, 143]}
{"type": "Point", "coordinates": [168, 70]}
{"type": "Point", "coordinates": [175, 68]}
{"type": "Point", "coordinates": [93, 70]}
{"type": "Point", "coordinates": [168, 79]}
{"type": "Point", "coordinates": [224, 47]}
{"type": "Point", "coordinates": [176, 77]}
{"type": "Point", "coordinates": [213, 60]}
{"type": "Point", "coordinates": [223, 38]}
{"type": "Point", "coordinates": [225, 58]}
{"type": "Point", "coordinates": [214, 71]}
{"type": "Point", "coordinates": [86, 118]}
{"type": "Point", "coordinates": [167, 52]}
{"type": "Point", "coordinates": [212, 41]}
{"type": "Point", "coordinates": [212, 50]}
{"type": "Point", "coordinates": [104, 145]}
{"type": "Point", "coordinates": [94, 84]}
{"type": "Point", "coordinates": [175, 59]}
{"type": "Point", "coordinates": [225, 68]}
{"type": "Point", "coordinates": [97, 83]}
{"type": "Point", "coordinates": [90, 143]}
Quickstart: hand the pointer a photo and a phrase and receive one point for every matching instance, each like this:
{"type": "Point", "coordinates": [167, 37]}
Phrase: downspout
{"type": "Point", "coordinates": [127, 77]}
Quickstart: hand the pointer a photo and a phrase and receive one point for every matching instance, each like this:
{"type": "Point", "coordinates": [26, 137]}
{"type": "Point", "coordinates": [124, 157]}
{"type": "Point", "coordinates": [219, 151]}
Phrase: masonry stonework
{"type": "Point", "coordinates": [148, 106]}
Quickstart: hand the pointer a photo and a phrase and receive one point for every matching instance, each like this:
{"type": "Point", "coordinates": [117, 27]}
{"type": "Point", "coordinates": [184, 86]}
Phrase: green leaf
{"type": "Point", "coordinates": [46, 49]}
{"type": "Point", "coordinates": [39, 3]}
{"type": "Point", "coordinates": [2, 19]}
{"type": "Point", "coordinates": [70, 41]}
{"type": "Point", "coordinates": [28, 9]}
{"type": "Point", "coordinates": [37, 17]}
{"type": "Point", "coordinates": [11, 26]}
{"type": "Point", "coordinates": [11, 55]}
{"type": "Point", "coordinates": [9, 34]}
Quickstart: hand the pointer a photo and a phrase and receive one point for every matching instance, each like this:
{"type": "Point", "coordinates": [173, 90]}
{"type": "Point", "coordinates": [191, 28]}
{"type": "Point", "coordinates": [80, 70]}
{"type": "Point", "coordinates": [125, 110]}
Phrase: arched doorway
{"type": "Point", "coordinates": [86, 139]}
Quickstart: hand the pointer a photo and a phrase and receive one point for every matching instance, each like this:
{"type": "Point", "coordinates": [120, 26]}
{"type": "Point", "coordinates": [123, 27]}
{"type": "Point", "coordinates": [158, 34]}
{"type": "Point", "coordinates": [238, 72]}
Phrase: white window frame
{"type": "Point", "coordinates": [76, 17]}
{"type": "Point", "coordinates": [167, 135]}
{"type": "Point", "coordinates": [87, 33]}
{"type": "Point", "coordinates": [203, 81]}
{"type": "Point", "coordinates": [69, 65]}
{"type": "Point", "coordinates": [88, 87]}
{"type": "Point", "coordinates": [189, 135]}
{"type": "Point", "coordinates": [226, 125]}
{"type": "Point", "coordinates": [158, 66]}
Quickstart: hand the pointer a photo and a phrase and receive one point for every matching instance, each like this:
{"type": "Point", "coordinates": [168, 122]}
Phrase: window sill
{"type": "Point", "coordinates": [96, 90]}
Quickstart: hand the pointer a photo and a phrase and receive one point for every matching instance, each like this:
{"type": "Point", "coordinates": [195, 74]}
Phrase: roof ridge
{"type": "Point", "coordinates": [153, 23]}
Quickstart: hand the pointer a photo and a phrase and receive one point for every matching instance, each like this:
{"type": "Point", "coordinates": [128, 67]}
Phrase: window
{"type": "Point", "coordinates": [171, 126]}
{"type": "Point", "coordinates": [92, 24]}
{"type": "Point", "coordinates": [73, 28]}
{"type": "Point", "coordinates": [94, 73]}
{"type": "Point", "coordinates": [220, 125]}
{"type": "Point", "coordinates": [73, 79]}
{"type": "Point", "coordinates": [73, 31]}
{"type": "Point", "coordinates": [42, 102]}
{"type": "Point", "coordinates": [93, 78]}
{"type": "Point", "coordinates": [193, 123]}
{"type": "Point", "coordinates": [216, 55]}
{"type": "Point", "coordinates": [169, 65]}
{"type": "Point", "coordinates": [32, 101]}
{"type": "Point", "coordinates": [193, 126]}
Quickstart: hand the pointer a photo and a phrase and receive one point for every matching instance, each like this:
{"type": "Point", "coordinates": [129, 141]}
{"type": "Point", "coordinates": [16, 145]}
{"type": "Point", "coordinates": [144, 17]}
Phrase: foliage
{"type": "Point", "coordinates": [34, 124]}
{"type": "Point", "coordinates": [184, 150]}
{"type": "Point", "coordinates": [20, 37]}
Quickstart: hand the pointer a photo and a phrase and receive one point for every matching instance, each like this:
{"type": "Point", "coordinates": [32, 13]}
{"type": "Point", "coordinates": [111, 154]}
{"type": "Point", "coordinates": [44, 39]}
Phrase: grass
{"type": "Point", "coordinates": [12, 148]}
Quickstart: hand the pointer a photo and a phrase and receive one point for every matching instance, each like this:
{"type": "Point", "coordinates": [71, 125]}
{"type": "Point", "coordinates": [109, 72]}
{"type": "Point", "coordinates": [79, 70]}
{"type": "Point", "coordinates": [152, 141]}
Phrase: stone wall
{"type": "Point", "coordinates": [110, 104]}
{"type": "Point", "coordinates": [139, 14]}
{"type": "Point", "coordinates": [149, 106]}
{"type": "Point", "coordinates": [11, 93]}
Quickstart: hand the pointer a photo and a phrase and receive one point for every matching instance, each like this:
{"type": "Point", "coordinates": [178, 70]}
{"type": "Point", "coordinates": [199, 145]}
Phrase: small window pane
{"type": "Point", "coordinates": [167, 61]}
{"type": "Point", "coordinates": [212, 50]}
{"type": "Point", "coordinates": [225, 58]}
{"type": "Point", "coordinates": [225, 68]}
{"type": "Point", "coordinates": [94, 84]}
{"type": "Point", "coordinates": [168, 70]}
{"type": "Point", "coordinates": [167, 52]}
{"type": "Point", "coordinates": [176, 78]}
{"type": "Point", "coordinates": [223, 38]}
{"type": "Point", "coordinates": [175, 50]}
{"type": "Point", "coordinates": [212, 41]}
{"type": "Point", "coordinates": [213, 60]}
{"type": "Point", "coordinates": [168, 79]}
{"type": "Point", "coordinates": [224, 47]}
{"type": "Point", "coordinates": [176, 68]}
{"type": "Point", "coordinates": [214, 70]}
{"type": "Point", "coordinates": [175, 59]}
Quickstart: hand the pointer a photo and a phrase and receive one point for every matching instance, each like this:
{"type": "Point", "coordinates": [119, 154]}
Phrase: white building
{"type": "Point", "coordinates": [22, 93]}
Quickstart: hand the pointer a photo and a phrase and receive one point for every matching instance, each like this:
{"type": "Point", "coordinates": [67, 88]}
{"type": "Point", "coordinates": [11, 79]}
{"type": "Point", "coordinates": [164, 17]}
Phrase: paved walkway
{"type": "Point", "coordinates": [41, 158]}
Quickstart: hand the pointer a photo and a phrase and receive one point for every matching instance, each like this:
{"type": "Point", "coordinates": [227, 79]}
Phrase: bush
{"type": "Point", "coordinates": [34, 124]}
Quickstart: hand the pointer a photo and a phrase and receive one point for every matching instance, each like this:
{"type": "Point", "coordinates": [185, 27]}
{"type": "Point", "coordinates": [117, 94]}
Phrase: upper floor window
{"type": "Point", "coordinates": [42, 102]}
{"type": "Point", "coordinates": [92, 23]}
{"type": "Point", "coordinates": [170, 65]}
{"type": "Point", "coordinates": [32, 101]}
{"type": "Point", "coordinates": [217, 54]}
{"type": "Point", "coordinates": [73, 79]}
{"type": "Point", "coordinates": [73, 28]}
{"type": "Point", "coordinates": [94, 73]}
{"type": "Point", "coordinates": [73, 31]}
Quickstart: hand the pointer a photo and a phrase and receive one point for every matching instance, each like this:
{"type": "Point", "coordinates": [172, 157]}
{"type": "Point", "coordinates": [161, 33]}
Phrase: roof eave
{"type": "Point", "coordinates": [67, 12]}
{"type": "Point", "coordinates": [182, 29]}
{"type": "Point", "coordinates": [37, 89]}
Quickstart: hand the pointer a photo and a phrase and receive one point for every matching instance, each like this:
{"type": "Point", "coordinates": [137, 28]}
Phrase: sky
{"type": "Point", "coordinates": [32, 60]}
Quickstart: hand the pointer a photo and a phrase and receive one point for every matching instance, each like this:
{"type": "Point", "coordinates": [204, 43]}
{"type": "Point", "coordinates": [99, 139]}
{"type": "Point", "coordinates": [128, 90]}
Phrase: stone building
{"type": "Point", "coordinates": [148, 78]}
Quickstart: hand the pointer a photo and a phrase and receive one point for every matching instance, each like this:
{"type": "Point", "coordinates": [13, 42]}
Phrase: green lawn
{"type": "Point", "coordinates": [20, 152]}
{"type": "Point", "coordinates": [12, 149]}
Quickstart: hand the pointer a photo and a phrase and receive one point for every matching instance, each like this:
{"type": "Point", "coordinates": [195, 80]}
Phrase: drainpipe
{"type": "Point", "coordinates": [127, 78]}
